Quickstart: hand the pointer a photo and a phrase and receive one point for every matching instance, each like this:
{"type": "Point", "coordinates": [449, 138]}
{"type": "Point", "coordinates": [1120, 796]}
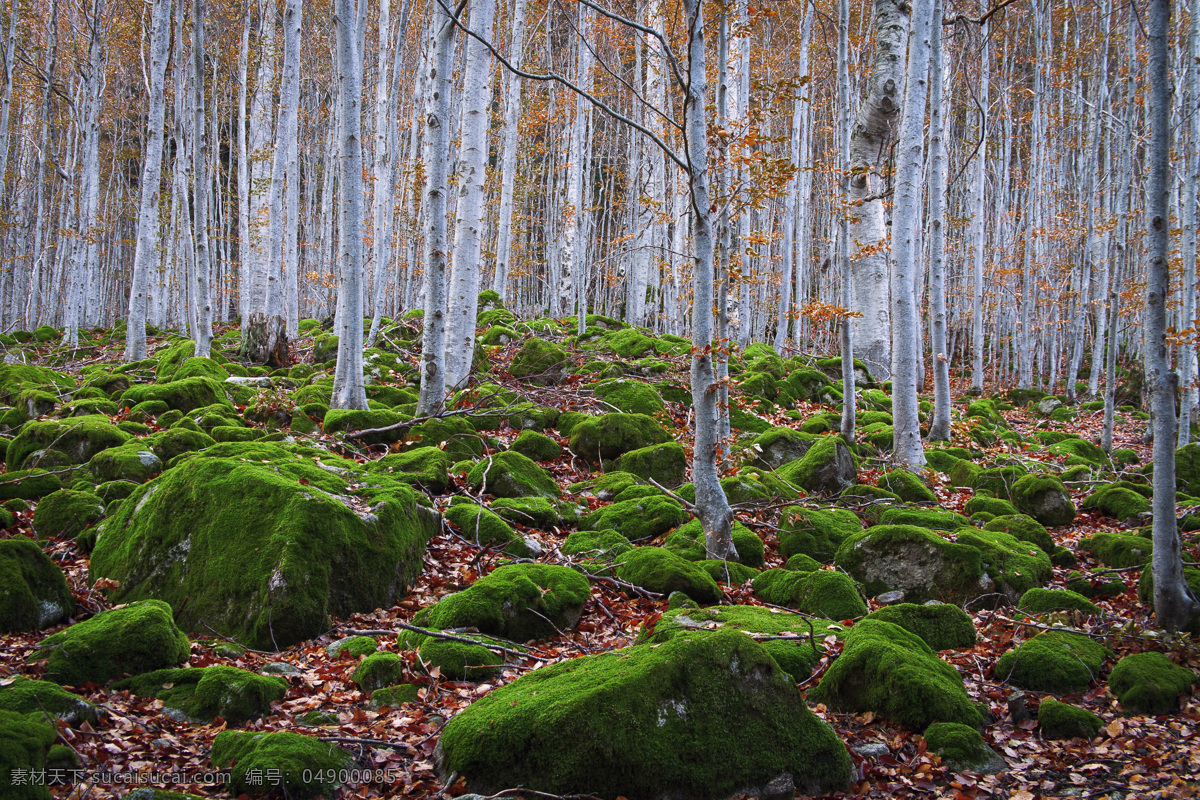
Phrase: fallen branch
{"type": "Point", "coordinates": [367, 742]}
{"type": "Point", "coordinates": [449, 637]}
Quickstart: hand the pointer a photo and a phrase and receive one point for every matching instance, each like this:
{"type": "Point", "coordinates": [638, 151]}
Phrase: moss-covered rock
{"type": "Point", "coordinates": [33, 591]}
{"type": "Point", "coordinates": [352, 647]}
{"type": "Point", "coordinates": [1062, 721]}
{"type": "Point", "coordinates": [133, 462]}
{"type": "Point", "coordinates": [604, 438]}
{"type": "Point", "coordinates": [263, 543]}
{"type": "Point", "coordinates": [888, 670]}
{"type": "Point", "coordinates": [660, 570]}
{"type": "Point", "coordinates": [305, 766]}
{"type": "Point", "coordinates": [1119, 550]}
{"type": "Point", "coordinates": [135, 638]}
{"type": "Point", "coordinates": [666, 463]}
{"type": "Point", "coordinates": [540, 362]}
{"type": "Point", "coordinates": [825, 468]}
{"type": "Point", "coordinates": [536, 446]}
{"type": "Point", "coordinates": [907, 486]}
{"type": "Point", "coordinates": [178, 440]}
{"type": "Point", "coordinates": [28, 484]}
{"type": "Point", "coordinates": [235, 695]}
{"type": "Point", "coordinates": [935, 519]}
{"type": "Point", "coordinates": [992, 505]}
{"type": "Point", "coordinates": [1043, 497]}
{"type": "Point", "coordinates": [1053, 661]}
{"type": "Point", "coordinates": [518, 602]}
{"type": "Point", "coordinates": [688, 541]}
{"type": "Point", "coordinates": [340, 420]}
{"type": "Point", "coordinates": [16, 378]}
{"type": "Point", "coordinates": [459, 661]}
{"type": "Point", "coordinates": [23, 695]}
{"type": "Point", "coordinates": [962, 748]}
{"type": "Point", "coordinates": [535, 512]}
{"type": "Point", "coordinates": [942, 626]}
{"type": "Point", "coordinates": [78, 438]}
{"type": "Point", "coordinates": [480, 525]}
{"type": "Point", "coordinates": [798, 656]}
{"type": "Point", "coordinates": [1041, 601]}
{"type": "Point", "coordinates": [1118, 502]}
{"type": "Point", "coordinates": [1024, 528]}
{"type": "Point", "coordinates": [1014, 565]}
{"type": "Point", "coordinates": [605, 544]}
{"type": "Point", "coordinates": [24, 743]}
{"type": "Point", "coordinates": [377, 670]}
{"type": "Point", "coordinates": [916, 561]}
{"type": "Point", "coordinates": [425, 467]}
{"type": "Point", "coordinates": [394, 696]}
{"type": "Point", "coordinates": [637, 519]}
{"type": "Point", "coordinates": [729, 572]}
{"type": "Point", "coordinates": [184, 395]}
{"type": "Point", "coordinates": [826, 593]}
{"type": "Point", "coordinates": [629, 396]}
{"type": "Point", "coordinates": [1149, 683]}
{"type": "Point", "coordinates": [615, 724]}
{"type": "Point", "coordinates": [510, 474]}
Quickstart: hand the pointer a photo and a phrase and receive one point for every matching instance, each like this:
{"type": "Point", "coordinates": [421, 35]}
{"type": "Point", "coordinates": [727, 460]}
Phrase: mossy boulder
{"type": "Point", "coordinates": [1053, 661]}
{"type": "Point", "coordinates": [78, 438]}
{"type": "Point", "coordinates": [825, 593]}
{"type": "Point", "coordinates": [134, 462]}
{"type": "Point", "coordinates": [394, 696]}
{"type": "Point", "coordinates": [827, 467]}
{"type": "Point", "coordinates": [377, 670]}
{"type": "Point", "coordinates": [235, 695]}
{"type": "Point", "coordinates": [1077, 450]}
{"type": "Point", "coordinates": [1042, 601]}
{"type": "Point", "coordinates": [1014, 565]}
{"type": "Point", "coordinates": [453, 434]}
{"type": "Point", "coordinates": [666, 463]}
{"type": "Point", "coordinates": [33, 591]}
{"type": "Point", "coordinates": [23, 695]}
{"type": "Point", "coordinates": [16, 378]}
{"type": "Point", "coordinates": [353, 647]}
{"type": "Point", "coordinates": [178, 440]}
{"type": "Point", "coordinates": [907, 486]}
{"type": "Point", "coordinates": [962, 748]}
{"type": "Point", "coordinates": [427, 468]}
{"type": "Point", "coordinates": [1187, 469]}
{"type": "Point", "coordinates": [535, 512]}
{"type": "Point", "coordinates": [1118, 502]}
{"type": "Point", "coordinates": [184, 395]}
{"type": "Point", "coordinates": [341, 420]}
{"type": "Point", "coordinates": [659, 570]}
{"type": "Point", "coordinates": [540, 362]}
{"type": "Point", "coordinates": [1058, 720]}
{"type": "Point", "coordinates": [913, 560]}
{"type": "Point", "coordinates": [1149, 683]}
{"type": "Point", "coordinates": [629, 396]}
{"type": "Point", "coordinates": [885, 669]}
{"type": "Point", "coordinates": [637, 519]}
{"type": "Point", "coordinates": [935, 519]}
{"type": "Point", "coordinates": [815, 532]}
{"type": "Point", "coordinates": [306, 766]}
{"type": "Point", "coordinates": [605, 544]}
{"type": "Point", "coordinates": [688, 541]}
{"type": "Point", "coordinates": [615, 725]}
{"type": "Point", "coordinates": [1043, 497]}
{"type": "Point", "coordinates": [518, 602]}
{"type": "Point", "coordinates": [28, 484]}
{"type": "Point", "coordinates": [604, 438]}
{"type": "Point", "coordinates": [458, 661]}
{"type": "Point", "coordinates": [263, 544]}
{"type": "Point", "coordinates": [536, 446]}
{"type": "Point", "coordinates": [480, 525]}
{"type": "Point", "coordinates": [25, 741]}
{"type": "Point", "coordinates": [1119, 550]}
{"type": "Point", "coordinates": [942, 626]}
{"type": "Point", "coordinates": [510, 474]}
{"type": "Point", "coordinates": [1024, 528]}
{"type": "Point", "coordinates": [132, 639]}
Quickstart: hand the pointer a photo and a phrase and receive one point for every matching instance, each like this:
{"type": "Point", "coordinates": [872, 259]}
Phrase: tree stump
{"type": "Point", "coordinates": [265, 341]}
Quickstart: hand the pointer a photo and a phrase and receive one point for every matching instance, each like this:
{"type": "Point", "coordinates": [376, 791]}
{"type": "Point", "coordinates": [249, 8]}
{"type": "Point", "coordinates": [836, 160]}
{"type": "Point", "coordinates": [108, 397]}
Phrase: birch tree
{"type": "Point", "coordinates": [939, 427]}
{"type": "Point", "coordinates": [146, 253]}
{"type": "Point", "coordinates": [508, 157]}
{"type": "Point", "coordinates": [202, 304]}
{"type": "Point", "coordinates": [1188, 199]}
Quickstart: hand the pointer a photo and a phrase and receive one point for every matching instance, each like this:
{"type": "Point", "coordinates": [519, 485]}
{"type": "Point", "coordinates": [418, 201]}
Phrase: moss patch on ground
{"type": "Point", "coordinates": [233, 694]}
{"type": "Point", "coordinates": [1053, 661]}
{"type": "Point", "coordinates": [306, 767]}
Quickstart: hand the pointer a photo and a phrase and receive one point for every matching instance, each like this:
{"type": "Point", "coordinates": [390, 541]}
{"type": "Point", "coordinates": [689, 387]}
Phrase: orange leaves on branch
{"type": "Point", "coordinates": [825, 312]}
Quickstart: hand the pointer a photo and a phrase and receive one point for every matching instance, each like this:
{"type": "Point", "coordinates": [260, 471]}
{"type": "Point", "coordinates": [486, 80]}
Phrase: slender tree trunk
{"type": "Point", "coordinates": [978, 235]}
{"type": "Point", "coordinates": [794, 226]}
{"type": "Point", "coordinates": [573, 235]}
{"type": "Point", "coordinates": [146, 254]}
{"type": "Point", "coordinates": [348, 388]}
{"type": "Point", "coordinates": [939, 426]}
{"type": "Point", "coordinates": [508, 158]}
{"type": "Point", "coordinates": [1190, 164]}
{"type": "Point", "coordinates": [845, 263]}
{"type": "Point", "coordinates": [200, 186]}
{"type": "Point", "coordinates": [1174, 604]}
{"type": "Point", "coordinates": [245, 274]}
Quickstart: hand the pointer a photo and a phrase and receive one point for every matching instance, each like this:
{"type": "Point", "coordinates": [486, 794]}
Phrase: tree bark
{"type": "Point", "coordinates": [939, 426]}
{"type": "Point", "coordinates": [508, 158]}
{"type": "Point", "coordinates": [200, 187]}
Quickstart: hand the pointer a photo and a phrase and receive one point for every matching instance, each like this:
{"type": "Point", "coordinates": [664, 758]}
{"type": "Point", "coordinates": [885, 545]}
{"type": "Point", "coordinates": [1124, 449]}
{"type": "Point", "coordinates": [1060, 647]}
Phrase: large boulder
{"type": "Point", "coordinates": [1053, 661]}
{"type": "Point", "coordinates": [540, 362]}
{"type": "Point", "coordinates": [76, 438]}
{"type": "Point", "coordinates": [817, 532]}
{"type": "Point", "coordinates": [264, 544]}
{"type": "Point", "coordinates": [779, 446]}
{"type": "Point", "coordinates": [1149, 683]}
{"type": "Point", "coordinates": [916, 561]}
{"type": "Point", "coordinates": [826, 468]}
{"type": "Point", "coordinates": [132, 639]}
{"type": "Point", "coordinates": [659, 570]}
{"type": "Point", "coordinates": [26, 696]}
{"type": "Point", "coordinates": [701, 716]}
{"type": "Point", "coordinates": [824, 593]}
{"type": "Point", "coordinates": [885, 669]}
{"type": "Point", "coordinates": [942, 626]}
{"type": "Point", "coordinates": [66, 513]}
{"type": "Point", "coordinates": [666, 463]}
{"type": "Point", "coordinates": [603, 438]}
{"type": "Point", "coordinates": [1043, 497]}
{"type": "Point", "coordinates": [510, 474]}
{"type": "Point", "coordinates": [233, 694]}
{"type": "Point", "coordinates": [305, 766]}
{"type": "Point", "coordinates": [33, 592]}
{"type": "Point", "coordinates": [636, 519]}
{"type": "Point", "coordinates": [184, 395]}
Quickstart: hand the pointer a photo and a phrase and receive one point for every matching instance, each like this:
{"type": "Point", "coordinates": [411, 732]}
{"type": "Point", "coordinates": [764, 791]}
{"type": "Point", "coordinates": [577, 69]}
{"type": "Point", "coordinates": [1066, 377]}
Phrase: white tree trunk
{"type": "Point", "coordinates": [939, 426]}
{"type": "Point", "coordinates": [978, 234]}
{"type": "Point", "coordinates": [1190, 164]}
{"type": "Point", "coordinates": [263, 280]}
{"type": "Point", "coordinates": [794, 221]}
{"type": "Point", "coordinates": [573, 240]}
{"type": "Point", "coordinates": [200, 187]}
{"type": "Point", "coordinates": [508, 157]}
{"type": "Point", "coordinates": [472, 198]}
{"type": "Point", "coordinates": [843, 253]}
{"type": "Point", "coordinates": [146, 253]}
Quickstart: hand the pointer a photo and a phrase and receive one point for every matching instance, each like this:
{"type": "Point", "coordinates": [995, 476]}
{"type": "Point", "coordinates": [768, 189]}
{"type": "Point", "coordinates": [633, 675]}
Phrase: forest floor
{"type": "Point", "coordinates": [1132, 757]}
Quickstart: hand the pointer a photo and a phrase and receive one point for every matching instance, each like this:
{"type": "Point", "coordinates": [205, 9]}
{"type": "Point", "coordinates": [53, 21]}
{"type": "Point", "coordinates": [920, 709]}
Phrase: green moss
{"type": "Point", "coordinates": [67, 513]}
{"type": "Point", "coordinates": [940, 459]}
{"type": "Point", "coordinates": [306, 767]}
{"type": "Point", "coordinates": [79, 438]}
{"type": "Point", "coordinates": [815, 532]}
{"type": "Point", "coordinates": [1119, 550]}
{"type": "Point", "coordinates": [510, 474]}
{"type": "Point", "coordinates": [992, 505]}
{"type": "Point", "coordinates": [888, 670]}
{"type": "Point", "coordinates": [935, 519]}
{"type": "Point", "coordinates": [536, 446]}
{"type": "Point", "coordinates": [232, 433]}
{"type": "Point", "coordinates": [641, 518]}
{"type": "Point", "coordinates": [1043, 497]}
{"type": "Point", "coordinates": [688, 541]}
{"type": "Point", "coordinates": [1041, 601]}
{"type": "Point", "coordinates": [16, 378]}
{"type": "Point", "coordinates": [133, 462]}
{"type": "Point", "coordinates": [480, 525]}
{"type": "Point", "coordinates": [604, 438]}
{"type": "Point", "coordinates": [729, 572]}
{"type": "Point", "coordinates": [826, 468]}
{"type": "Point", "coordinates": [24, 742]}
{"type": "Point", "coordinates": [1118, 502]}
{"type": "Point", "coordinates": [425, 467]}
{"type": "Point", "coordinates": [28, 484]}
{"type": "Point", "coordinates": [666, 463]}
{"type": "Point", "coordinates": [185, 395]}
{"type": "Point", "coordinates": [1013, 564]}
{"type": "Point", "coordinates": [518, 602]}
{"type": "Point", "coordinates": [986, 409]}
{"type": "Point", "coordinates": [1024, 528]}
{"type": "Point", "coordinates": [660, 570]}
{"type": "Point", "coordinates": [352, 646]}
{"type": "Point", "coordinates": [1149, 683]}
{"type": "Point", "coordinates": [540, 362]}
{"type": "Point", "coordinates": [615, 724]}
{"type": "Point", "coordinates": [1053, 661]}
{"type": "Point", "coordinates": [1062, 721]}
{"type": "Point", "coordinates": [629, 396]}
{"type": "Point", "coordinates": [394, 696]}
{"type": "Point", "coordinates": [233, 694]}
{"type": "Point", "coordinates": [960, 746]}
{"type": "Point", "coordinates": [170, 443]}
{"type": "Point", "coordinates": [595, 544]}
{"type": "Point", "coordinates": [340, 420]}
{"type": "Point", "coordinates": [1145, 588]}
{"type": "Point", "coordinates": [35, 594]}
{"type": "Point", "coordinates": [825, 593]}
{"type": "Point", "coordinates": [907, 486]}
{"type": "Point", "coordinates": [264, 544]}
{"type": "Point", "coordinates": [378, 670]}
{"type": "Point", "coordinates": [25, 696]}
{"type": "Point", "coordinates": [942, 626]}
{"type": "Point", "coordinates": [915, 560]}
{"type": "Point", "coordinates": [535, 512]}
{"type": "Point", "coordinates": [135, 638]}
{"type": "Point", "coordinates": [459, 661]}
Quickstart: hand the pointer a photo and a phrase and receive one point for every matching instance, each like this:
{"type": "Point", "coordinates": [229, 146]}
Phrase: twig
{"type": "Point", "coordinates": [669, 493]}
{"type": "Point", "coordinates": [367, 742]}
{"type": "Point", "coordinates": [449, 637]}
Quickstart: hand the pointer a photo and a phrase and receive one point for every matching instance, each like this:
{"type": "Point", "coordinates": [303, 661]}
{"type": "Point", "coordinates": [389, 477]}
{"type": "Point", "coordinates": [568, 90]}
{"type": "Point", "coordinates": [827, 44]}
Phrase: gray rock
{"type": "Point", "coordinates": [872, 750]}
{"type": "Point", "coordinates": [1048, 406]}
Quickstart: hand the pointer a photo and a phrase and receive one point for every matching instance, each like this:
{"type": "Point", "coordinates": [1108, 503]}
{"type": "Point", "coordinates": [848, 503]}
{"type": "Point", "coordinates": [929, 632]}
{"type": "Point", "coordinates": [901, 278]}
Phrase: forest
{"type": "Point", "coordinates": [599, 399]}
